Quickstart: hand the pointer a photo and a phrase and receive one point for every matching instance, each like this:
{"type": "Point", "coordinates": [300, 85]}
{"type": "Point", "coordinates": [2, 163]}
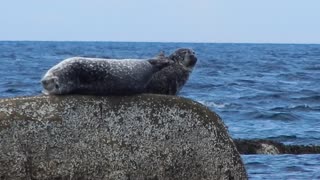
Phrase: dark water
{"type": "Point", "coordinates": [259, 90]}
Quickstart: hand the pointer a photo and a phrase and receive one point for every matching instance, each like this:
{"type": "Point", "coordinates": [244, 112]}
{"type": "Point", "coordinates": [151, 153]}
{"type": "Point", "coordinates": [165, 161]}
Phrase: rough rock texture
{"type": "Point", "coordinates": [132, 137]}
{"type": "Point", "coordinates": [264, 146]}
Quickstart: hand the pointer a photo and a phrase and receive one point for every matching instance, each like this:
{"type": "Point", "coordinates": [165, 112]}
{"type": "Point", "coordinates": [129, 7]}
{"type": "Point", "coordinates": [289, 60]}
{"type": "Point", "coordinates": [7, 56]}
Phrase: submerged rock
{"type": "Point", "coordinates": [123, 137]}
{"type": "Point", "coordinates": [264, 146]}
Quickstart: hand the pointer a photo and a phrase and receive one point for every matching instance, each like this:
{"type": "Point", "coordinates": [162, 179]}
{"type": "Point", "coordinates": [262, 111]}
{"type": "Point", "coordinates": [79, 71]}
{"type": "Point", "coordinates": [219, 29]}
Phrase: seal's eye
{"type": "Point", "coordinates": [56, 86]}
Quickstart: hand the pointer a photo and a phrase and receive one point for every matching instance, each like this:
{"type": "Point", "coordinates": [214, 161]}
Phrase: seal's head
{"type": "Point", "coordinates": [50, 85]}
{"type": "Point", "coordinates": [184, 56]}
{"type": "Point", "coordinates": [56, 81]}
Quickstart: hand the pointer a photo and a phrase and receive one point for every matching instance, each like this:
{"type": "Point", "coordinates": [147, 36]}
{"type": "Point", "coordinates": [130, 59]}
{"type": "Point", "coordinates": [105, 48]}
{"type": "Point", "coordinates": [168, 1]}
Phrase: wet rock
{"type": "Point", "coordinates": [124, 137]}
{"type": "Point", "coordinates": [264, 146]}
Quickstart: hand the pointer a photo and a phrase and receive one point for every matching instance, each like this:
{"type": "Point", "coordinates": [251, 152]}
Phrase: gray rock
{"type": "Point", "coordinates": [266, 146]}
{"type": "Point", "coordinates": [127, 137]}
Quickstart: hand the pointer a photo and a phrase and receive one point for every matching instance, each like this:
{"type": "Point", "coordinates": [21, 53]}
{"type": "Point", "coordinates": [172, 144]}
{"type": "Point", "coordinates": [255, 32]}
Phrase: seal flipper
{"type": "Point", "coordinates": [161, 55]}
{"type": "Point", "coordinates": [160, 63]}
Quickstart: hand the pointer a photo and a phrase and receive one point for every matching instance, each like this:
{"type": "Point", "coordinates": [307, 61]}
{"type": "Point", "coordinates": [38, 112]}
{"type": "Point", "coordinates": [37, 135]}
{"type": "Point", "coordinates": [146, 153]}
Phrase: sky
{"type": "Point", "coordinates": [227, 21]}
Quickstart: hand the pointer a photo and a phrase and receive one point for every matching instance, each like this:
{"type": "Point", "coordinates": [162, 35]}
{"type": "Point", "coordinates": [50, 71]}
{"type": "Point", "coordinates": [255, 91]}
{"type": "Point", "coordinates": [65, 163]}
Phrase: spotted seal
{"type": "Point", "coordinates": [80, 75]}
{"type": "Point", "coordinates": [172, 78]}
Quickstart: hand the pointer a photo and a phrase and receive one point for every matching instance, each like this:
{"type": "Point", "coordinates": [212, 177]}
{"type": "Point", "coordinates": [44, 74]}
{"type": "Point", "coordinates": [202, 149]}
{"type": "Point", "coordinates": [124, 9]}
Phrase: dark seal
{"type": "Point", "coordinates": [96, 76]}
{"type": "Point", "coordinates": [172, 78]}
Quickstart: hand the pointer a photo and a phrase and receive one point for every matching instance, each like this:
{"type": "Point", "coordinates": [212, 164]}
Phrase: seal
{"type": "Point", "coordinates": [172, 78]}
{"type": "Point", "coordinates": [96, 76]}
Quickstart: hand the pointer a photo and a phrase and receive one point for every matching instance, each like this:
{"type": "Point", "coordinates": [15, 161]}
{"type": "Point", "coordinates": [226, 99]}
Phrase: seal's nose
{"type": "Point", "coordinates": [48, 84]}
{"type": "Point", "coordinates": [193, 60]}
{"type": "Point", "coordinates": [44, 82]}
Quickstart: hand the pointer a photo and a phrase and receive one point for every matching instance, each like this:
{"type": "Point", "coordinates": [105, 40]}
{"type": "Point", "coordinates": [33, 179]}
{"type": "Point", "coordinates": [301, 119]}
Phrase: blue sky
{"type": "Point", "coordinates": [262, 21]}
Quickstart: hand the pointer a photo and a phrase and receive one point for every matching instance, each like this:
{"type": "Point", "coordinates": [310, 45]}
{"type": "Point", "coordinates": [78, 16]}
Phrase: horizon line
{"type": "Point", "coordinates": [184, 42]}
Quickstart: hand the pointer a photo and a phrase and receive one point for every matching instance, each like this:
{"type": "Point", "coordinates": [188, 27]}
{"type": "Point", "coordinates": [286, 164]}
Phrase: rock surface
{"type": "Point", "coordinates": [129, 137]}
{"type": "Point", "coordinates": [264, 146]}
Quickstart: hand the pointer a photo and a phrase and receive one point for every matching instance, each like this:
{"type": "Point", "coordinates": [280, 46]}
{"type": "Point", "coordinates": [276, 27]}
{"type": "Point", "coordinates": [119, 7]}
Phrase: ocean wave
{"type": "Point", "coordinates": [213, 104]}
{"type": "Point", "coordinates": [314, 98]}
{"type": "Point", "coordinates": [281, 116]}
{"type": "Point", "coordinates": [8, 56]}
{"type": "Point", "coordinates": [315, 67]}
{"type": "Point", "coordinates": [248, 81]}
{"type": "Point", "coordinates": [282, 138]}
{"type": "Point", "coordinates": [303, 107]}
{"type": "Point", "coordinates": [264, 96]}
{"type": "Point", "coordinates": [12, 90]}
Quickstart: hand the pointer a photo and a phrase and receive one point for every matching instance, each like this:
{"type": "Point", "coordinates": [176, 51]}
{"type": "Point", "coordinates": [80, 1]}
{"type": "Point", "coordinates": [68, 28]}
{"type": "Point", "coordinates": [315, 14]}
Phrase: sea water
{"type": "Point", "coordinates": [269, 91]}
